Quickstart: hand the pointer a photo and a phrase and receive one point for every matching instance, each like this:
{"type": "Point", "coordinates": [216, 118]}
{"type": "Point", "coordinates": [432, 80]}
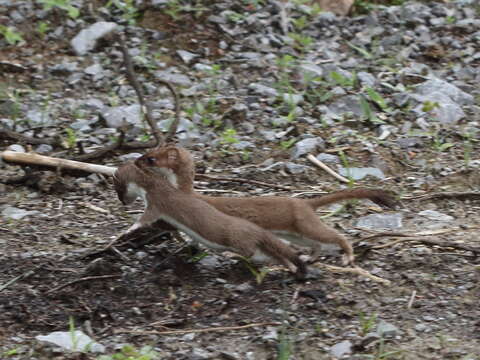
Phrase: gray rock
{"type": "Point", "coordinates": [211, 262]}
{"type": "Point", "coordinates": [340, 349]}
{"type": "Point", "coordinates": [311, 70]}
{"type": "Point", "coordinates": [94, 69]}
{"type": "Point", "coordinates": [130, 156]}
{"type": "Point", "coordinates": [199, 354]}
{"type": "Point", "coordinates": [381, 221]}
{"type": "Point", "coordinates": [73, 341]}
{"type": "Point", "coordinates": [447, 111]}
{"type": "Point", "coordinates": [328, 158]}
{"type": "Point", "coordinates": [186, 56]}
{"type": "Point", "coordinates": [177, 79]}
{"type": "Point", "coordinates": [307, 146]}
{"type": "Point", "coordinates": [93, 104]}
{"type": "Point", "coordinates": [421, 327]}
{"type": "Point", "coordinates": [346, 104]}
{"type": "Point", "coordinates": [263, 90]}
{"type": "Point", "coordinates": [242, 145]}
{"type": "Point", "coordinates": [44, 149]}
{"type": "Point", "coordinates": [292, 99]}
{"type": "Point", "coordinates": [435, 215]}
{"type": "Point", "coordinates": [16, 148]}
{"type": "Point", "coordinates": [38, 117]}
{"type": "Point", "coordinates": [385, 329]}
{"type": "Point", "coordinates": [119, 116]}
{"type": "Point", "coordinates": [14, 213]}
{"type": "Point", "coordinates": [440, 86]}
{"type": "Point", "coordinates": [63, 68]}
{"type": "Point", "coordinates": [360, 173]}
{"type": "Point", "coordinates": [366, 79]}
{"type": "Point", "coordinates": [294, 169]}
{"type": "Point", "coordinates": [243, 287]}
{"type": "Point", "coordinates": [86, 39]}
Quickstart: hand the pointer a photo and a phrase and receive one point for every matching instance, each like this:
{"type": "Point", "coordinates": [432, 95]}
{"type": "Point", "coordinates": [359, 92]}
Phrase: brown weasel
{"type": "Point", "coordinates": [199, 220]}
{"type": "Point", "coordinates": [289, 218]}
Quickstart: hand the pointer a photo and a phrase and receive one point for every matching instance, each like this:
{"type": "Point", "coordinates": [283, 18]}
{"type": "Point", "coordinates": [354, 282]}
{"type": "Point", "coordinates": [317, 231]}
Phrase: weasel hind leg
{"type": "Point", "coordinates": [313, 228]}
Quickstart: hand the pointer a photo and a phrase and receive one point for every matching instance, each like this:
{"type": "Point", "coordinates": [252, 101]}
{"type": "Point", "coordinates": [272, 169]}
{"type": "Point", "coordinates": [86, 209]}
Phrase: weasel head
{"type": "Point", "coordinates": [125, 185]}
{"type": "Point", "coordinates": [169, 161]}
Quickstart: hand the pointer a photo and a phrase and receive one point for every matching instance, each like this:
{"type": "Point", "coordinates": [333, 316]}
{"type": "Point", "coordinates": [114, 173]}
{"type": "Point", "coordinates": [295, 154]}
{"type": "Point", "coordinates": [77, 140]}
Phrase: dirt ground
{"type": "Point", "coordinates": [142, 289]}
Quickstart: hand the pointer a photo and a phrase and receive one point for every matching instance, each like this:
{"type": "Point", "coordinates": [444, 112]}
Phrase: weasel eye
{"type": "Point", "coordinates": [151, 161]}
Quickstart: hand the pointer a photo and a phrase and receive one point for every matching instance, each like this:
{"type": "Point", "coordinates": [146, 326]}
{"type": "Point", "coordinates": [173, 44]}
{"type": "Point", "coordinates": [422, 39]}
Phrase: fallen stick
{"type": "Point", "coordinates": [186, 331]}
{"type": "Point", "coordinates": [88, 278]}
{"type": "Point", "coordinates": [354, 270]}
{"type": "Point", "coordinates": [432, 242]}
{"type": "Point", "coordinates": [35, 159]}
{"type": "Point", "coordinates": [241, 180]}
{"type": "Point", "coordinates": [321, 165]}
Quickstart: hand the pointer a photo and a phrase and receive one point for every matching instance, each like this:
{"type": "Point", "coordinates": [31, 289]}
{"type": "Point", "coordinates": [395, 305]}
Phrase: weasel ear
{"type": "Point", "coordinates": [172, 156]}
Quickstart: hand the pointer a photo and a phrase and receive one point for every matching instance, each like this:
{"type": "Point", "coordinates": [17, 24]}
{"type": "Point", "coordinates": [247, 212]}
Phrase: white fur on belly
{"type": "Point", "coordinates": [194, 235]}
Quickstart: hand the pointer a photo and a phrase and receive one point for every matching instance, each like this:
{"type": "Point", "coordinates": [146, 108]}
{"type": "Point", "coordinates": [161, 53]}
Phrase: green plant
{"type": "Point", "coordinates": [236, 17]}
{"type": "Point", "coordinates": [439, 145]}
{"type": "Point", "coordinates": [71, 140]}
{"type": "Point", "coordinates": [368, 113]}
{"type": "Point", "coordinates": [377, 98]}
{"type": "Point", "coordinates": [198, 256]}
{"type": "Point", "coordinates": [65, 5]}
{"type": "Point", "coordinates": [11, 352]}
{"type": "Point", "coordinates": [346, 165]}
{"type": "Point", "coordinates": [42, 28]}
{"type": "Point", "coordinates": [450, 19]}
{"type": "Point", "coordinates": [129, 352]}
{"type": "Point", "coordinates": [284, 346]}
{"type": "Point", "coordinates": [428, 106]}
{"type": "Point", "coordinates": [300, 23]}
{"type": "Point", "coordinates": [258, 274]}
{"type": "Point", "coordinates": [343, 80]}
{"type": "Point", "coordinates": [287, 144]}
{"type": "Point", "coordinates": [361, 51]}
{"type": "Point", "coordinates": [245, 155]}
{"type": "Point", "coordinates": [127, 7]}
{"type": "Point", "coordinates": [229, 136]}
{"type": "Point", "coordinates": [175, 7]}
{"type": "Point", "coordinates": [367, 323]}
{"type": "Point", "coordinates": [467, 148]}
{"type": "Point", "coordinates": [301, 42]}
{"type": "Point", "coordinates": [381, 352]}
{"type": "Point", "coordinates": [10, 34]}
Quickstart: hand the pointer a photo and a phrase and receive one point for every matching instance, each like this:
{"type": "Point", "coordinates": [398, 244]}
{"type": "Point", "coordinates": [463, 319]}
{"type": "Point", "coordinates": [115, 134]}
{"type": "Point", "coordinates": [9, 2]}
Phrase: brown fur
{"type": "Point", "coordinates": [281, 214]}
{"type": "Point", "coordinates": [200, 220]}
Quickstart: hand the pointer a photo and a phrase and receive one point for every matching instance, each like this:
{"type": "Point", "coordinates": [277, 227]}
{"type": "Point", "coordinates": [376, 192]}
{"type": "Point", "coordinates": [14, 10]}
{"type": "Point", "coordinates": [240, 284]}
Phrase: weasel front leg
{"type": "Point", "coordinates": [147, 218]}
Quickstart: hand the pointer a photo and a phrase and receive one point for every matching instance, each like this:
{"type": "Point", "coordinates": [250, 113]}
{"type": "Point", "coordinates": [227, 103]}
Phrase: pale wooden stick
{"type": "Point", "coordinates": [186, 331]}
{"type": "Point", "coordinates": [354, 270]}
{"type": "Point", "coordinates": [321, 165]}
{"type": "Point", "coordinates": [412, 298]}
{"type": "Point", "coordinates": [35, 159]}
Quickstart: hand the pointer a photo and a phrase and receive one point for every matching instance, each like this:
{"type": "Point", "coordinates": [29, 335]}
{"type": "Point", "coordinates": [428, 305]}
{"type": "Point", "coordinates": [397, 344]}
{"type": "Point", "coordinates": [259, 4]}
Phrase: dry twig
{"type": "Point", "coordinates": [354, 270]}
{"type": "Point", "coordinates": [88, 278]}
{"type": "Point", "coordinates": [412, 299]}
{"type": "Point", "coordinates": [246, 181]}
{"type": "Point", "coordinates": [445, 244]}
{"type": "Point", "coordinates": [132, 78]}
{"type": "Point", "coordinates": [186, 331]}
{"type": "Point", "coordinates": [321, 165]}
{"type": "Point", "coordinates": [465, 195]}
{"type": "Point", "coordinates": [13, 135]}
